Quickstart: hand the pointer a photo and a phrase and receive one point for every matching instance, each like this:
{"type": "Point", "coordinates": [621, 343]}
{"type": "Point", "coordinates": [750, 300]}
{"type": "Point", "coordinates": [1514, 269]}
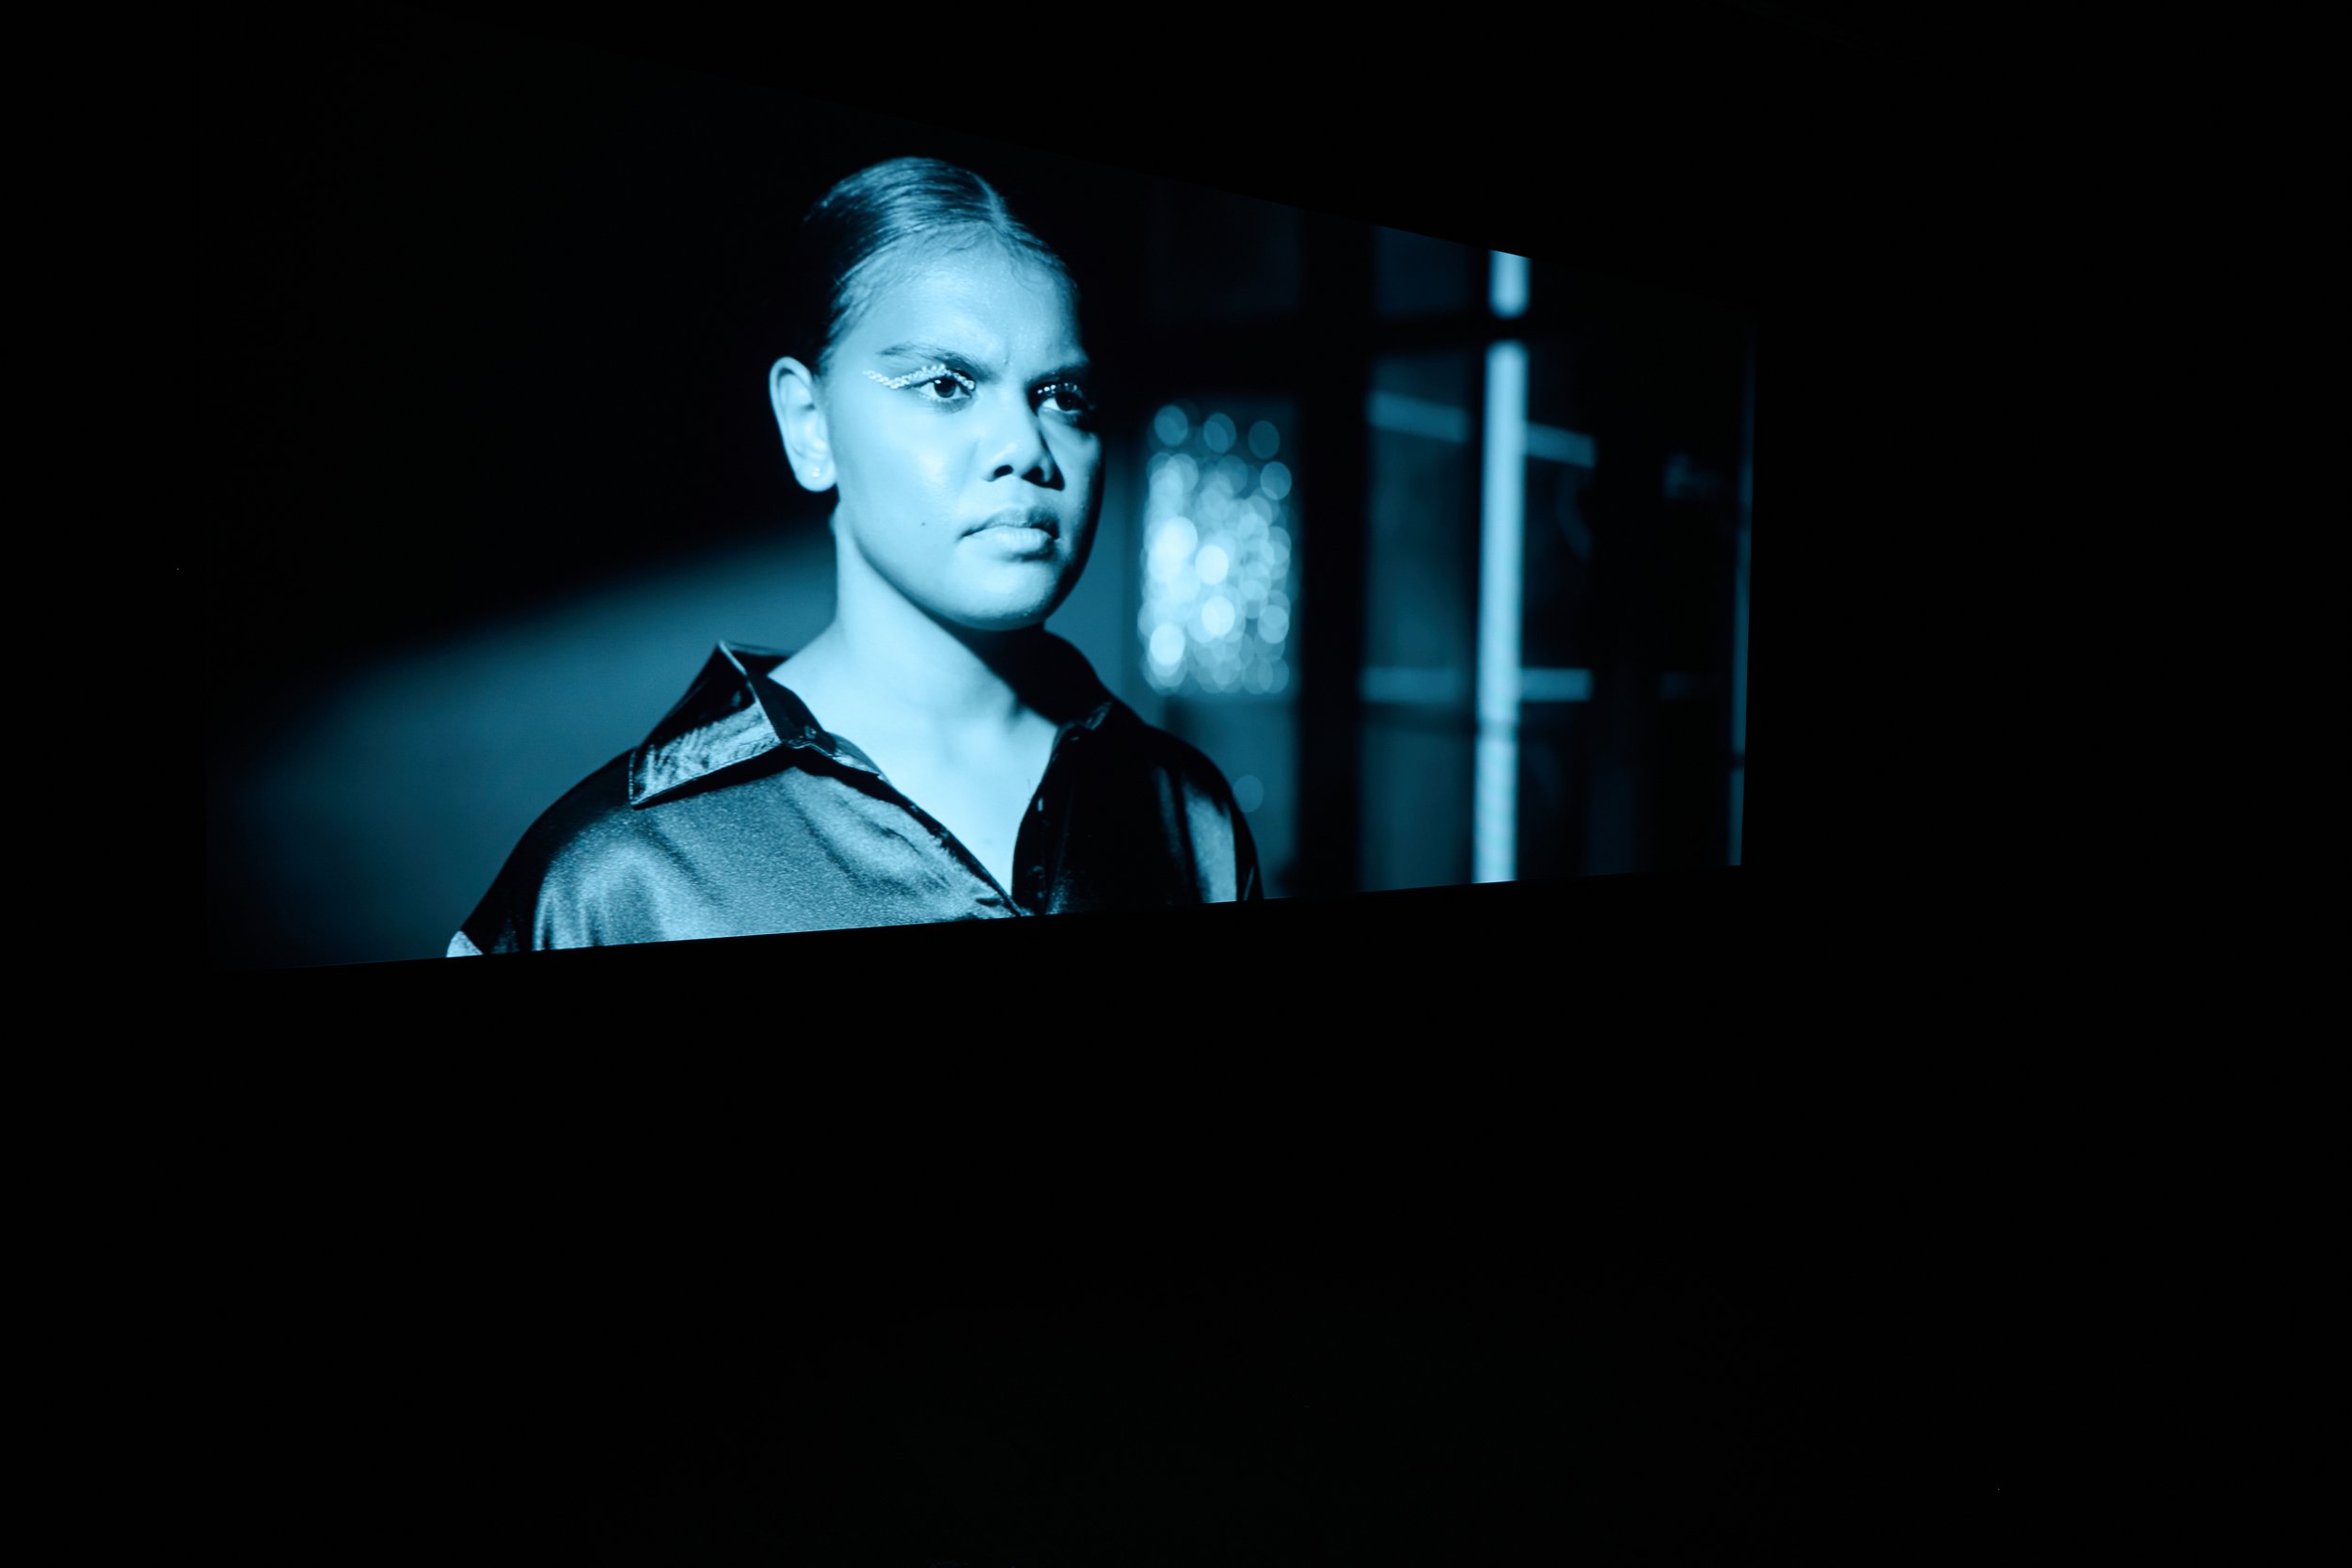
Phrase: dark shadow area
{"type": "Point", "coordinates": [1499, 1337]}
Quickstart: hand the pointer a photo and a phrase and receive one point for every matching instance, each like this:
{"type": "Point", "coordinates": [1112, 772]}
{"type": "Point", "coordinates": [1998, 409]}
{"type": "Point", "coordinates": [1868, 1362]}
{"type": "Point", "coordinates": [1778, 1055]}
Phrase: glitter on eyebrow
{"type": "Point", "coordinates": [928, 373]}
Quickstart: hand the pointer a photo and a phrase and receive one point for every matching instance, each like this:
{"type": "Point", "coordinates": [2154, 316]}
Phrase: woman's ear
{"type": "Point", "coordinates": [801, 421]}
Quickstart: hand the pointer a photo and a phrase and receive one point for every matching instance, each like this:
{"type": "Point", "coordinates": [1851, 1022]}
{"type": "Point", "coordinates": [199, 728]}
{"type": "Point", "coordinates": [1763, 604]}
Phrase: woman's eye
{"type": "Point", "coordinates": [946, 386]}
{"type": "Point", "coordinates": [933, 383]}
{"type": "Point", "coordinates": [1065, 398]}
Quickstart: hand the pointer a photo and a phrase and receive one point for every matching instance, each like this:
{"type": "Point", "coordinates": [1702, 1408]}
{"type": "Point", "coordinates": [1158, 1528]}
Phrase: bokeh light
{"type": "Point", "coordinates": [1217, 557]}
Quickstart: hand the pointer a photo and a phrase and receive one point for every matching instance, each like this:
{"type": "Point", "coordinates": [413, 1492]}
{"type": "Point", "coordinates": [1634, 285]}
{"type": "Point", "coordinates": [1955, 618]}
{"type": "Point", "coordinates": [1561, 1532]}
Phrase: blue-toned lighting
{"type": "Point", "coordinates": [1740, 602]}
{"type": "Point", "coordinates": [1555, 685]}
{"type": "Point", "coordinates": [1502, 537]}
{"type": "Point", "coordinates": [1507, 284]}
{"type": "Point", "coordinates": [1216, 611]}
{"type": "Point", "coordinates": [1248, 794]}
{"type": "Point", "coordinates": [1171, 426]}
{"type": "Point", "coordinates": [1411, 416]}
{"type": "Point", "coordinates": [1571, 447]}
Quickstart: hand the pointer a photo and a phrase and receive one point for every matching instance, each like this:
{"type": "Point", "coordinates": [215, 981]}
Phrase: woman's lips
{"type": "Point", "coordinates": [1021, 519]}
{"type": "Point", "coordinates": [1015, 540]}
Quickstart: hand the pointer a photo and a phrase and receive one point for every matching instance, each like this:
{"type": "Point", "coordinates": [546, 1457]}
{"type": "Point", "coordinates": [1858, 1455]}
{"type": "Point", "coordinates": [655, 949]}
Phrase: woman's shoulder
{"type": "Point", "coordinates": [586, 818]}
{"type": "Point", "coordinates": [569, 849]}
{"type": "Point", "coordinates": [1164, 753]}
{"type": "Point", "coordinates": [592, 866]}
{"type": "Point", "coordinates": [1080, 698]}
{"type": "Point", "coordinates": [1189, 796]}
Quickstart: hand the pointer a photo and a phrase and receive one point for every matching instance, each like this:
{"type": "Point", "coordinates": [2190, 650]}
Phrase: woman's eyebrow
{"type": "Point", "coordinates": [928, 353]}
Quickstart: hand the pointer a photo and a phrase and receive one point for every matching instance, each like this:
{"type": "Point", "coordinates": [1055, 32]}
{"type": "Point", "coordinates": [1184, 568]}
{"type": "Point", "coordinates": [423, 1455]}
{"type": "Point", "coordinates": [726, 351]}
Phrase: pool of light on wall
{"type": "Point", "coordinates": [1216, 556]}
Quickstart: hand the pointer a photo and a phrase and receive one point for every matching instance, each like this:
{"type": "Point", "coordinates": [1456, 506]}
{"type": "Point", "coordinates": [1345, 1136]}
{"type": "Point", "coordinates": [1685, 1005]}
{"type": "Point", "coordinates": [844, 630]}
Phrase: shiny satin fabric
{"type": "Point", "coordinates": [739, 816]}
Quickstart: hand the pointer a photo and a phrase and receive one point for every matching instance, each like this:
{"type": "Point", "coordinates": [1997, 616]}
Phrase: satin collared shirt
{"type": "Point", "coordinates": [738, 817]}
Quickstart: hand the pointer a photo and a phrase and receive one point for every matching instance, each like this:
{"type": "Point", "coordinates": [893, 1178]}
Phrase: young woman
{"type": "Point", "coordinates": [934, 753]}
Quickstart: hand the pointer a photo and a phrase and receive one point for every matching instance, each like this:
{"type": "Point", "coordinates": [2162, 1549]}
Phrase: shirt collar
{"type": "Point", "coordinates": [733, 714]}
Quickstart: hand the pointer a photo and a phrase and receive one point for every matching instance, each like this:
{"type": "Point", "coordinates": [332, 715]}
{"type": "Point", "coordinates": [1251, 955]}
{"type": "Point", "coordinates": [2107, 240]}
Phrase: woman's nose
{"type": "Point", "coordinates": [1018, 449]}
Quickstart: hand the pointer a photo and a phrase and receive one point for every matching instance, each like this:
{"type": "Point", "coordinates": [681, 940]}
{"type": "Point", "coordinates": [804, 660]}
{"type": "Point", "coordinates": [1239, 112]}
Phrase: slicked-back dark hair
{"type": "Point", "coordinates": [870, 213]}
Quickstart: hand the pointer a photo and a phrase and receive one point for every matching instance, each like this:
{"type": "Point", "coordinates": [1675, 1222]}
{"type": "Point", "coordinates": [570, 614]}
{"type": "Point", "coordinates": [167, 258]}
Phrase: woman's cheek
{"type": "Point", "coordinates": [935, 464]}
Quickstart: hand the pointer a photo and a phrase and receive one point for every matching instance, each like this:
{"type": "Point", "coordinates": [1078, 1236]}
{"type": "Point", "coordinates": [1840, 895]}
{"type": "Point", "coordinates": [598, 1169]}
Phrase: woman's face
{"type": "Point", "coordinates": [961, 437]}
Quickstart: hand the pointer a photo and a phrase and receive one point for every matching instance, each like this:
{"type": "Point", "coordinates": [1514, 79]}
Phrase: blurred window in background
{"type": "Point", "coordinates": [1546, 693]}
{"type": "Point", "coordinates": [1420, 627]}
{"type": "Point", "coordinates": [1553, 547]}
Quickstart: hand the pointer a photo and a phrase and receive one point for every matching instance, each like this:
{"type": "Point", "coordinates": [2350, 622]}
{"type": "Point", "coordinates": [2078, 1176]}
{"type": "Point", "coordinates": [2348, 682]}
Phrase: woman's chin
{"type": "Point", "coordinates": [1017, 599]}
{"type": "Point", "coordinates": [1005, 618]}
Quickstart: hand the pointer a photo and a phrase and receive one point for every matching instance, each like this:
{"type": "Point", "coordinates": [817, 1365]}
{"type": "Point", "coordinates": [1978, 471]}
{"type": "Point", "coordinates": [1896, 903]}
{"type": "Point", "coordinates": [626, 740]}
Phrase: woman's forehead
{"type": "Point", "coordinates": [980, 299]}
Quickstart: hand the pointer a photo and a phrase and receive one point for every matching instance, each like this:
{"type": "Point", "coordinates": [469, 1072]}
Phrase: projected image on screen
{"type": "Point", "coordinates": [770, 534]}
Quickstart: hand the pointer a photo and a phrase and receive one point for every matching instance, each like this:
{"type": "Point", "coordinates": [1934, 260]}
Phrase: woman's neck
{"type": "Point", "coordinates": [884, 667]}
